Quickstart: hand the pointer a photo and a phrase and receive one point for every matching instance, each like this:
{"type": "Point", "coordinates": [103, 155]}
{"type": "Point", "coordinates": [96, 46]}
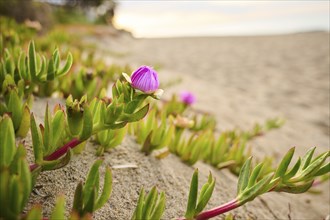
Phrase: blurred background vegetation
{"type": "Point", "coordinates": [47, 13]}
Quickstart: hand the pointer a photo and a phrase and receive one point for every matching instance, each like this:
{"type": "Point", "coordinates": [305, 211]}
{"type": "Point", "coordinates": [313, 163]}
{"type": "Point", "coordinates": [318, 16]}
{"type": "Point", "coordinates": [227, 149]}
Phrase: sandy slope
{"type": "Point", "coordinates": [241, 80]}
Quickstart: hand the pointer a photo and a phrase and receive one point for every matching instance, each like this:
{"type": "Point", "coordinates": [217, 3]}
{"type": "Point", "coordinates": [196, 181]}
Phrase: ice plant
{"type": "Point", "coordinates": [87, 197]}
{"type": "Point", "coordinates": [187, 98]}
{"type": "Point", "coordinates": [145, 79]}
{"type": "Point", "coordinates": [150, 206]}
{"type": "Point", "coordinates": [251, 184]}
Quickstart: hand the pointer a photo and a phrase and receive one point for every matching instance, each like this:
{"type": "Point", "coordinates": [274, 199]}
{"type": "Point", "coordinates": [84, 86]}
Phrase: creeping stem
{"type": "Point", "coordinates": [218, 210]}
{"type": "Point", "coordinates": [59, 152]}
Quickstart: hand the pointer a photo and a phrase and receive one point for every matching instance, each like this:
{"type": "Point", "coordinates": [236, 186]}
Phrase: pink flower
{"type": "Point", "coordinates": [145, 79]}
{"type": "Point", "coordinates": [188, 98]}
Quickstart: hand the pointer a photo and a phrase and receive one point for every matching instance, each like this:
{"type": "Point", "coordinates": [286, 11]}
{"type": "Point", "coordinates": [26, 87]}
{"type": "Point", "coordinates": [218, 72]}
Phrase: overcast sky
{"type": "Point", "coordinates": [220, 18]}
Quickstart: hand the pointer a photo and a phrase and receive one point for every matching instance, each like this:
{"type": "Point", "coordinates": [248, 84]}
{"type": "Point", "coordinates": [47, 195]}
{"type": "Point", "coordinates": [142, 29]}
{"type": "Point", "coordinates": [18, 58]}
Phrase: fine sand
{"type": "Point", "coordinates": [241, 80]}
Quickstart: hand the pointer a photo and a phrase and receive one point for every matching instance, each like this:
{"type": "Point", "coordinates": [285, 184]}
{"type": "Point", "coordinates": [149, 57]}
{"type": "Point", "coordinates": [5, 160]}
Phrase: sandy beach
{"type": "Point", "coordinates": [240, 80]}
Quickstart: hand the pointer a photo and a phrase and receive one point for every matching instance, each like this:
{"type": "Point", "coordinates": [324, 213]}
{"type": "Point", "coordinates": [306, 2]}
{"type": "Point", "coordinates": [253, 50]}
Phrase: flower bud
{"type": "Point", "coordinates": [187, 98]}
{"type": "Point", "coordinates": [145, 79]}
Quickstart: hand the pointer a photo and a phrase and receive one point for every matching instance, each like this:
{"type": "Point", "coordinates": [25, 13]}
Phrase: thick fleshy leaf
{"type": "Point", "coordinates": [87, 127]}
{"type": "Point", "coordinates": [149, 203]}
{"type": "Point", "coordinates": [58, 127]}
{"type": "Point", "coordinates": [113, 112]}
{"type": "Point", "coordinates": [323, 170]}
{"type": "Point", "coordinates": [244, 175]}
{"type": "Point", "coordinates": [48, 132]}
{"type": "Point", "coordinates": [78, 199]}
{"type": "Point", "coordinates": [15, 107]}
{"type": "Point", "coordinates": [25, 122]}
{"type": "Point", "coordinates": [139, 208]}
{"type": "Point", "coordinates": [282, 168]}
{"type": "Point", "coordinates": [4, 176]}
{"type": "Point", "coordinates": [296, 189]}
{"type": "Point", "coordinates": [27, 180]}
{"type": "Point", "coordinates": [35, 213]}
{"type": "Point", "coordinates": [7, 141]}
{"type": "Point", "coordinates": [307, 158]}
{"type": "Point", "coordinates": [32, 61]}
{"type": "Point", "coordinates": [159, 208]}
{"type": "Point", "coordinates": [131, 106]}
{"type": "Point", "coordinates": [67, 66]}
{"type": "Point", "coordinates": [56, 58]}
{"type": "Point", "coordinates": [315, 165]}
{"type": "Point", "coordinates": [36, 141]}
{"type": "Point", "coordinates": [59, 209]}
{"type": "Point", "coordinates": [255, 174]}
{"type": "Point", "coordinates": [147, 146]}
{"type": "Point", "coordinates": [57, 164]}
{"type": "Point", "coordinates": [15, 196]}
{"type": "Point", "coordinates": [141, 113]}
{"type": "Point", "coordinates": [192, 199]}
{"type": "Point", "coordinates": [90, 203]}
{"type": "Point", "coordinates": [51, 70]}
{"type": "Point", "coordinates": [205, 196]}
{"type": "Point", "coordinates": [42, 72]}
{"type": "Point", "coordinates": [91, 179]}
{"type": "Point", "coordinates": [293, 170]}
{"type": "Point", "coordinates": [15, 165]}
{"type": "Point", "coordinates": [107, 188]}
{"type": "Point", "coordinates": [250, 193]}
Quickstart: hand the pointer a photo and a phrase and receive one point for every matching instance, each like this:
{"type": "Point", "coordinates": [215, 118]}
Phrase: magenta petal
{"type": "Point", "coordinates": [188, 98]}
{"type": "Point", "coordinates": [145, 79]}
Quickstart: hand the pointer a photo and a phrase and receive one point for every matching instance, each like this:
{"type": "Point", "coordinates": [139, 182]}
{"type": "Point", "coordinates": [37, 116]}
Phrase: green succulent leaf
{"type": "Point", "coordinates": [293, 170]}
{"type": "Point", "coordinates": [323, 170]}
{"type": "Point", "coordinates": [307, 158]}
{"type": "Point", "coordinates": [141, 113]}
{"type": "Point", "coordinates": [48, 132]}
{"type": "Point", "coordinates": [257, 189]}
{"type": "Point", "coordinates": [51, 70]}
{"type": "Point", "coordinates": [26, 179]}
{"type": "Point", "coordinates": [15, 197]}
{"type": "Point", "coordinates": [78, 199]}
{"type": "Point", "coordinates": [139, 208]}
{"type": "Point", "coordinates": [149, 203]}
{"type": "Point", "coordinates": [67, 66]}
{"type": "Point", "coordinates": [7, 141]}
{"type": "Point", "coordinates": [296, 188]}
{"type": "Point", "coordinates": [57, 164]}
{"type": "Point", "coordinates": [90, 204]}
{"type": "Point", "coordinates": [87, 127]}
{"type": "Point", "coordinates": [91, 180]}
{"type": "Point", "coordinates": [159, 208]}
{"type": "Point", "coordinates": [58, 127]}
{"type": "Point", "coordinates": [36, 141]}
{"type": "Point", "coordinates": [15, 107]}
{"type": "Point", "coordinates": [205, 194]}
{"type": "Point", "coordinates": [282, 168]}
{"type": "Point", "coordinates": [244, 174]}
{"type": "Point", "coordinates": [255, 174]}
{"type": "Point", "coordinates": [107, 188]}
{"type": "Point", "coordinates": [315, 165]}
{"type": "Point", "coordinates": [25, 122]}
{"type": "Point", "coordinates": [59, 210]}
{"type": "Point", "coordinates": [32, 61]}
{"type": "Point", "coordinates": [191, 206]}
{"type": "Point", "coordinates": [35, 213]}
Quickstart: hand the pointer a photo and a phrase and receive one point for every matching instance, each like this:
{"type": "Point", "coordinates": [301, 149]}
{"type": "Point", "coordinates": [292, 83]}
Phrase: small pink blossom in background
{"type": "Point", "coordinates": [145, 79]}
{"type": "Point", "coordinates": [188, 98]}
